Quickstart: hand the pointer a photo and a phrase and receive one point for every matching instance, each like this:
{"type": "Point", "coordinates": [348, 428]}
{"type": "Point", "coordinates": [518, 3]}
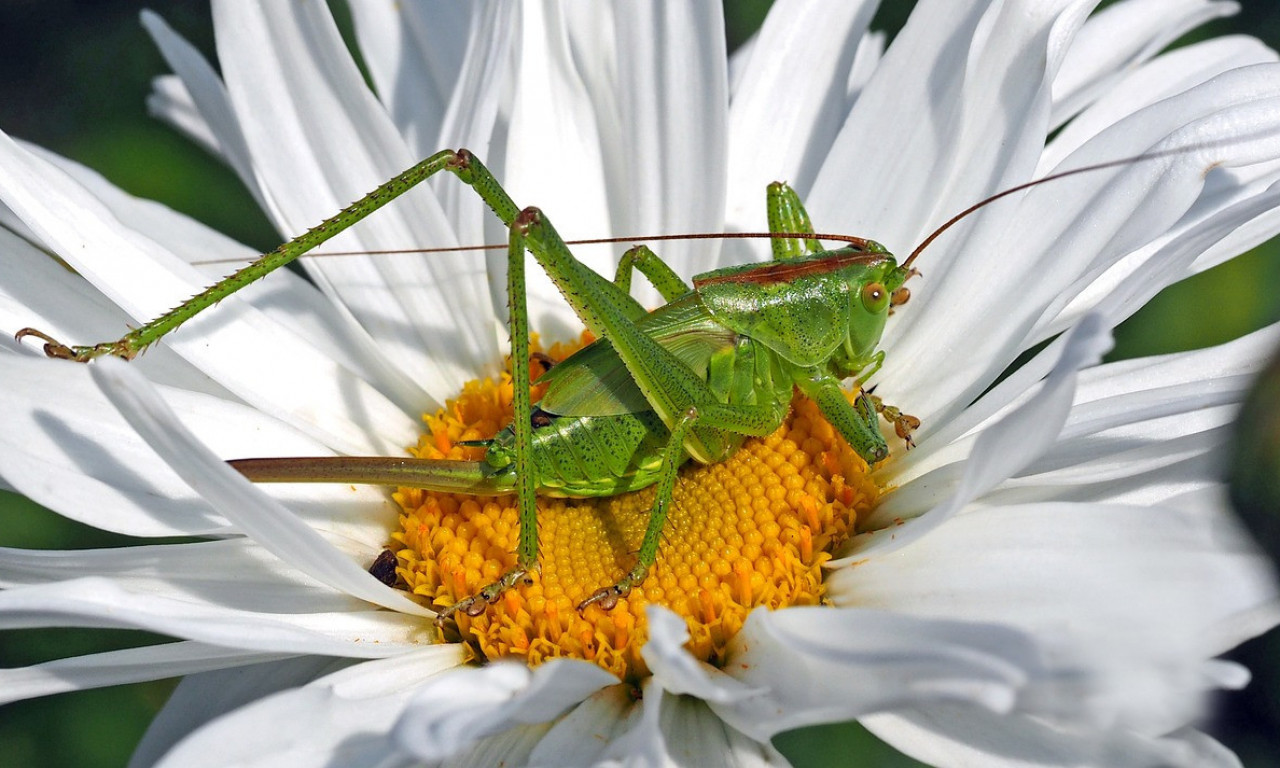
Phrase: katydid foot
{"type": "Point", "coordinates": [904, 424]}
{"type": "Point", "coordinates": [608, 597]}
{"type": "Point", "coordinates": [479, 602]}
{"type": "Point", "coordinates": [56, 349]}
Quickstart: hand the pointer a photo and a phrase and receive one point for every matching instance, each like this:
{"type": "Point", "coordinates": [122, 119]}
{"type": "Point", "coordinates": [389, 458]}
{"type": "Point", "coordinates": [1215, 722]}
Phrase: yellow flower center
{"type": "Point", "coordinates": [750, 531]}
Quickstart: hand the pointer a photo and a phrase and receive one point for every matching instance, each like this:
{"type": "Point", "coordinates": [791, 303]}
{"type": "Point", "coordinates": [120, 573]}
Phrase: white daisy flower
{"type": "Point", "coordinates": [1046, 578]}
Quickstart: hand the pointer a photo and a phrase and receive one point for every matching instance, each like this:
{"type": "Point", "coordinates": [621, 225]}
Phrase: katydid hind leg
{"type": "Point", "coordinates": [526, 482]}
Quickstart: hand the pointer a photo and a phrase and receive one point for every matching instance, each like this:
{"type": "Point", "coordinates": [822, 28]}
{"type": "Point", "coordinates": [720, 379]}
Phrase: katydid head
{"type": "Point", "coordinates": [825, 309]}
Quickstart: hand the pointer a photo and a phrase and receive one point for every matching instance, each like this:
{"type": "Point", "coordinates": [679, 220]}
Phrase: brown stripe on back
{"type": "Point", "coordinates": [788, 271]}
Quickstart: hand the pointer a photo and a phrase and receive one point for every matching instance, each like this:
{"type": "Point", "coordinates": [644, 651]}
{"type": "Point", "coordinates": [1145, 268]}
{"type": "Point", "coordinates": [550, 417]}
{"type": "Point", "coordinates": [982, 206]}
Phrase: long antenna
{"type": "Point", "coordinates": [1044, 180]}
{"type": "Point", "coordinates": [586, 241]}
{"type": "Point", "coordinates": [777, 235]}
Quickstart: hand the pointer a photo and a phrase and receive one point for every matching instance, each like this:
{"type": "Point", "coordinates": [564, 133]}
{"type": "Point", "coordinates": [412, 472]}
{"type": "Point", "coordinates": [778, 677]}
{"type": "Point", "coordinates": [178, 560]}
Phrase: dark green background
{"type": "Point", "coordinates": [73, 77]}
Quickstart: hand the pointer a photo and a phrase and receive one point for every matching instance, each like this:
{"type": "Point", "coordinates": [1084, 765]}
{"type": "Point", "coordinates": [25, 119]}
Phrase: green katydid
{"type": "Point", "coordinates": [691, 380]}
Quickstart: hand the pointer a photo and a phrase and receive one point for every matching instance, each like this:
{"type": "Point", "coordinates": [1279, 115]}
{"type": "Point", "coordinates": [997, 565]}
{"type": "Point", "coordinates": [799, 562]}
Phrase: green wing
{"type": "Point", "coordinates": [594, 382]}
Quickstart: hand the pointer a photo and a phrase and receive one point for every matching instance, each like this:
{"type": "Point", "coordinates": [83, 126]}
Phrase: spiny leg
{"type": "Point", "coordinates": [787, 214]}
{"type": "Point", "coordinates": [136, 341]}
{"type": "Point", "coordinates": [608, 597]}
{"type": "Point", "coordinates": [754, 420]}
{"type": "Point", "coordinates": [522, 424]}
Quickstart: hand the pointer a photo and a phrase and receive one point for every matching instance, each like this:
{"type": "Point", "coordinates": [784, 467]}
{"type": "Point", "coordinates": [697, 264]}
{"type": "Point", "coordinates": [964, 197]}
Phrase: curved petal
{"type": "Point", "coordinates": [207, 97]}
{"type": "Point", "coordinates": [790, 103]}
{"type": "Point", "coordinates": [232, 573]}
{"type": "Point", "coordinates": [800, 661]}
{"type": "Point", "coordinates": [455, 711]}
{"type": "Point", "coordinates": [63, 443]}
{"type": "Point", "coordinates": [999, 452]}
{"type": "Point", "coordinates": [203, 697]}
{"type": "Point", "coordinates": [967, 737]}
{"type": "Point", "coordinates": [1118, 38]}
{"type": "Point", "coordinates": [98, 602]}
{"type": "Point", "coordinates": [259, 516]}
{"type": "Point", "coordinates": [1078, 578]}
{"type": "Point", "coordinates": [1164, 76]}
{"type": "Point", "coordinates": [328, 142]}
{"type": "Point", "coordinates": [342, 719]}
{"type": "Point", "coordinates": [1078, 227]}
{"type": "Point", "coordinates": [132, 665]}
{"type": "Point", "coordinates": [286, 298]}
{"type": "Point", "coordinates": [261, 362]}
{"type": "Point", "coordinates": [670, 134]}
{"type": "Point", "coordinates": [414, 52]}
{"type": "Point", "coordinates": [950, 94]}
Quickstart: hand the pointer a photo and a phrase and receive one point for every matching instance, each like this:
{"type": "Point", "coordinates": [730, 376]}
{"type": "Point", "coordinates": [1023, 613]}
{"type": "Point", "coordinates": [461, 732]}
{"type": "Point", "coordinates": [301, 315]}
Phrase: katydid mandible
{"type": "Point", "coordinates": [691, 380]}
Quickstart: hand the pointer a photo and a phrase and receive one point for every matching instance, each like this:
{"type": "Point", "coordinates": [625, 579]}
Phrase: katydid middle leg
{"type": "Point", "coordinates": [661, 276]}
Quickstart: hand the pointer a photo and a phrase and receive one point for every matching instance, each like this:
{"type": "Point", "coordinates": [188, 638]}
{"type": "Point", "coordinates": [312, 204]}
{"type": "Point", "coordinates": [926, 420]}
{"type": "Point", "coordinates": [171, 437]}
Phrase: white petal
{"type": "Point", "coordinates": [132, 665]}
{"type": "Point", "coordinates": [64, 444]}
{"type": "Point", "coordinates": [259, 516]}
{"type": "Point", "coordinates": [781, 123]}
{"type": "Point", "coordinates": [602, 147]}
{"type": "Point", "coordinates": [1122, 418]}
{"type": "Point", "coordinates": [202, 697]}
{"type": "Point", "coordinates": [263, 363]}
{"type": "Point", "coordinates": [1164, 76]}
{"type": "Point", "coordinates": [457, 710]}
{"type": "Point", "coordinates": [681, 730]}
{"type": "Point", "coordinates": [341, 720]}
{"type": "Point", "coordinates": [38, 292]}
{"type": "Point", "coordinates": [967, 737]}
{"type": "Point", "coordinates": [1079, 227]}
{"type": "Point", "coordinates": [233, 573]}
{"type": "Point", "coordinates": [286, 298]}
{"type": "Point", "coordinates": [97, 602]}
{"type": "Point", "coordinates": [554, 158]}
{"type": "Point", "coordinates": [585, 733]}
{"type": "Point", "coordinates": [670, 136]}
{"type": "Point", "coordinates": [1183, 255]}
{"type": "Point", "coordinates": [207, 95]}
{"type": "Point", "coordinates": [88, 451]}
{"type": "Point", "coordinates": [1117, 39]}
{"type": "Point", "coordinates": [1080, 578]}
{"type": "Point", "coordinates": [414, 52]}
{"type": "Point", "coordinates": [676, 670]}
{"type": "Point", "coordinates": [328, 142]}
{"type": "Point", "coordinates": [803, 659]}
{"type": "Point", "coordinates": [950, 115]}
{"type": "Point", "coordinates": [476, 120]}
{"type": "Point", "coordinates": [1001, 450]}
{"type": "Point", "coordinates": [171, 102]}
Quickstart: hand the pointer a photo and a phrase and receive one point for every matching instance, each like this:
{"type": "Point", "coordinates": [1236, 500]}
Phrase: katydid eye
{"type": "Point", "coordinates": [874, 297]}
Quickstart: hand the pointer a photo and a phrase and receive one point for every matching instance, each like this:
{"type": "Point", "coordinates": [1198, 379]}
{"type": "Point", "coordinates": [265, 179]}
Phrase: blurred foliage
{"type": "Point", "coordinates": [74, 75]}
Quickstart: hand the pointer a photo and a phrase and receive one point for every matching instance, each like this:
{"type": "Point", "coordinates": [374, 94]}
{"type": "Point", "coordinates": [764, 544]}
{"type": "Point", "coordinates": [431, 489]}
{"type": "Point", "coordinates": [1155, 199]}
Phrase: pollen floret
{"type": "Point", "coordinates": [751, 531]}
